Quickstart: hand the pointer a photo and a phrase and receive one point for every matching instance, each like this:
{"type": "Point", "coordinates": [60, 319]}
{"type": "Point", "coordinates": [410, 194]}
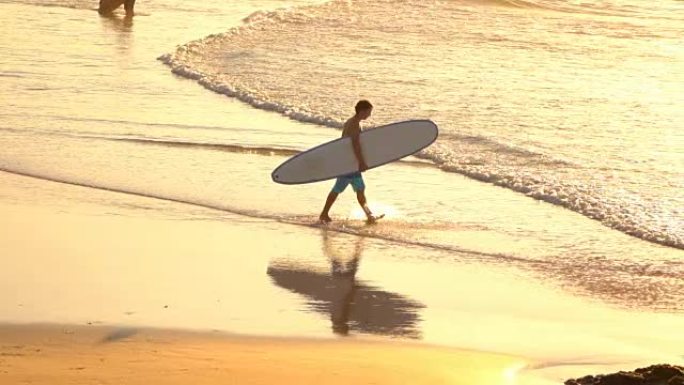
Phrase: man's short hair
{"type": "Point", "coordinates": [363, 105]}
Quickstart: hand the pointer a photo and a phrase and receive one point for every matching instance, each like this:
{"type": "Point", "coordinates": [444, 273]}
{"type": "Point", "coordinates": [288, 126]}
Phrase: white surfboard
{"type": "Point", "coordinates": [380, 145]}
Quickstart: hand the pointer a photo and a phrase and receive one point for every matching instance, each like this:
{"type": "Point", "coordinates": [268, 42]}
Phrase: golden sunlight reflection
{"type": "Point", "coordinates": [510, 374]}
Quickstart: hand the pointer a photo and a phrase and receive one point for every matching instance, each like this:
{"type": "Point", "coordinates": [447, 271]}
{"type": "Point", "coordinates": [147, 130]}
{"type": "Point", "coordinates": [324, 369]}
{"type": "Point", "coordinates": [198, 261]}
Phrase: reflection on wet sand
{"type": "Point", "coordinates": [353, 306]}
{"type": "Point", "coordinates": [117, 23]}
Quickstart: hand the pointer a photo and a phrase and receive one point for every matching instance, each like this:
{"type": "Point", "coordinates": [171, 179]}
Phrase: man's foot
{"type": "Point", "coordinates": [324, 219]}
{"type": "Point", "coordinates": [372, 219]}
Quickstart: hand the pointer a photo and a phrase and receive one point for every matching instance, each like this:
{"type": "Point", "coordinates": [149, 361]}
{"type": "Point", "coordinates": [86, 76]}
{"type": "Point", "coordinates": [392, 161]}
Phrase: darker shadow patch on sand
{"type": "Point", "coordinates": [118, 335]}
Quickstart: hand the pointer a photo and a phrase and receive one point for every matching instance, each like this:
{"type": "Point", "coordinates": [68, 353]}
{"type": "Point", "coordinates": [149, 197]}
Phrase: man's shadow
{"type": "Point", "coordinates": [351, 304]}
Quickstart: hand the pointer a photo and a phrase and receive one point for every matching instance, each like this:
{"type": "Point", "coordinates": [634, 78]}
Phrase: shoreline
{"type": "Point", "coordinates": [106, 258]}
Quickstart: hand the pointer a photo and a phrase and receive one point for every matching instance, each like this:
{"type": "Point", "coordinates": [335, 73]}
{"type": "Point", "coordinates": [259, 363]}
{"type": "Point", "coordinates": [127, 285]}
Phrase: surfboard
{"type": "Point", "coordinates": [380, 145]}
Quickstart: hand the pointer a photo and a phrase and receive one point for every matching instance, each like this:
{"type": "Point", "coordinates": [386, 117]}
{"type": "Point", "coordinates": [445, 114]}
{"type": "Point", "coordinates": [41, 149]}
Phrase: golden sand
{"type": "Point", "coordinates": [50, 354]}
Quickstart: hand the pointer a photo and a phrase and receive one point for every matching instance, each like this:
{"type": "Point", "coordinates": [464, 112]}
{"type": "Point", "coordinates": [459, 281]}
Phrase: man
{"type": "Point", "coordinates": [352, 129]}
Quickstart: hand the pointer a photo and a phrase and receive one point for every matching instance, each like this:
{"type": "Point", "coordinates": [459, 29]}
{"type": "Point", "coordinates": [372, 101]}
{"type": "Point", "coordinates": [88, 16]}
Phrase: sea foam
{"type": "Point", "coordinates": [503, 128]}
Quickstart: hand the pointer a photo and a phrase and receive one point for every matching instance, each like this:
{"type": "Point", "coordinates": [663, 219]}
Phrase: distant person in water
{"type": "Point", "coordinates": [109, 6]}
{"type": "Point", "coordinates": [352, 129]}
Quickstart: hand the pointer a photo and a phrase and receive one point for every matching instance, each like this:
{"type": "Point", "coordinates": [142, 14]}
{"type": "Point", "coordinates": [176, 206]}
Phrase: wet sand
{"type": "Point", "coordinates": [79, 256]}
{"type": "Point", "coordinates": [87, 354]}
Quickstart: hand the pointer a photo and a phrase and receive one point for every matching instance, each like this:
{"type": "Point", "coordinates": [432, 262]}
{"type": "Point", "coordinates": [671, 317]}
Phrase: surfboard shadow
{"type": "Point", "coordinates": [353, 306]}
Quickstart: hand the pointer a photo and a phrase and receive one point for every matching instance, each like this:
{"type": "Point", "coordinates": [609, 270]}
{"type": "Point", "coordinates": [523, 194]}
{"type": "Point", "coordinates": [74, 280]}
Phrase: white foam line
{"type": "Point", "coordinates": [614, 216]}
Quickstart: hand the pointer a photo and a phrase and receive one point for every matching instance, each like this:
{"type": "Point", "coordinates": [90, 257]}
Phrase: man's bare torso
{"type": "Point", "coordinates": [351, 127]}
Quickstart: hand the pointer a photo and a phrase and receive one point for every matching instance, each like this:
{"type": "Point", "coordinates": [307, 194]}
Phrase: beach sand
{"type": "Point", "coordinates": [82, 266]}
{"type": "Point", "coordinates": [87, 355]}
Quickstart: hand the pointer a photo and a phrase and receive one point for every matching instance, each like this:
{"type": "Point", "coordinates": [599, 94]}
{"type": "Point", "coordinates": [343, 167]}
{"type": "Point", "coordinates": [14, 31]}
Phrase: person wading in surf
{"type": "Point", "coordinates": [352, 129]}
{"type": "Point", "coordinates": [108, 6]}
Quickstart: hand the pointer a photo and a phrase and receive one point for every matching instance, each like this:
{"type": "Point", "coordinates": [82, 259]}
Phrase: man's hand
{"type": "Point", "coordinates": [363, 166]}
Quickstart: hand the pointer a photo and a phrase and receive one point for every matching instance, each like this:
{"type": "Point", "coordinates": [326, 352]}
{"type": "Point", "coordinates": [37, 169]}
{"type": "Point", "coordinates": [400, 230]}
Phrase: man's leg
{"type": "Point", "coordinates": [325, 214]}
{"type": "Point", "coordinates": [360, 188]}
{"type": "Point", "coordinates": [340, 185]}
{"type": "Point", "coordinates": [361, 197]}
{"type": "Point", "coordinates": [128, 6]}
{"type": "Point", "coordinates": [106, 7]}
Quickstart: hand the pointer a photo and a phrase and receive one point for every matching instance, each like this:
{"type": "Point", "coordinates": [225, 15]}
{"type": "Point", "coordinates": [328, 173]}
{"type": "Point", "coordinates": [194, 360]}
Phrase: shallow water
{"type": "Point", "coordinates": [573, 103]}
{"type": "Point", "coordinates": [102, 113]}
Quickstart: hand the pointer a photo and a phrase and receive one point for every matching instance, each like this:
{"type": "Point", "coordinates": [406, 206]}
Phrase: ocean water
{"type": "Point", "coordinates": [575, 103]}
{"type": "Point", "coordinates": [567, 111]}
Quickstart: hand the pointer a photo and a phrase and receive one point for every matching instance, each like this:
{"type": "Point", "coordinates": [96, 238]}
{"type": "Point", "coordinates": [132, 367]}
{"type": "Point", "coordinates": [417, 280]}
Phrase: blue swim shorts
{"type": "Point", "coordinates": [355, 179]}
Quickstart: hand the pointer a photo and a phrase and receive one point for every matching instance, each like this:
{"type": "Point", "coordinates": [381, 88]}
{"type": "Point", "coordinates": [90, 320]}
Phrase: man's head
{"type": "Point", "coordinates": [363, 109]}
